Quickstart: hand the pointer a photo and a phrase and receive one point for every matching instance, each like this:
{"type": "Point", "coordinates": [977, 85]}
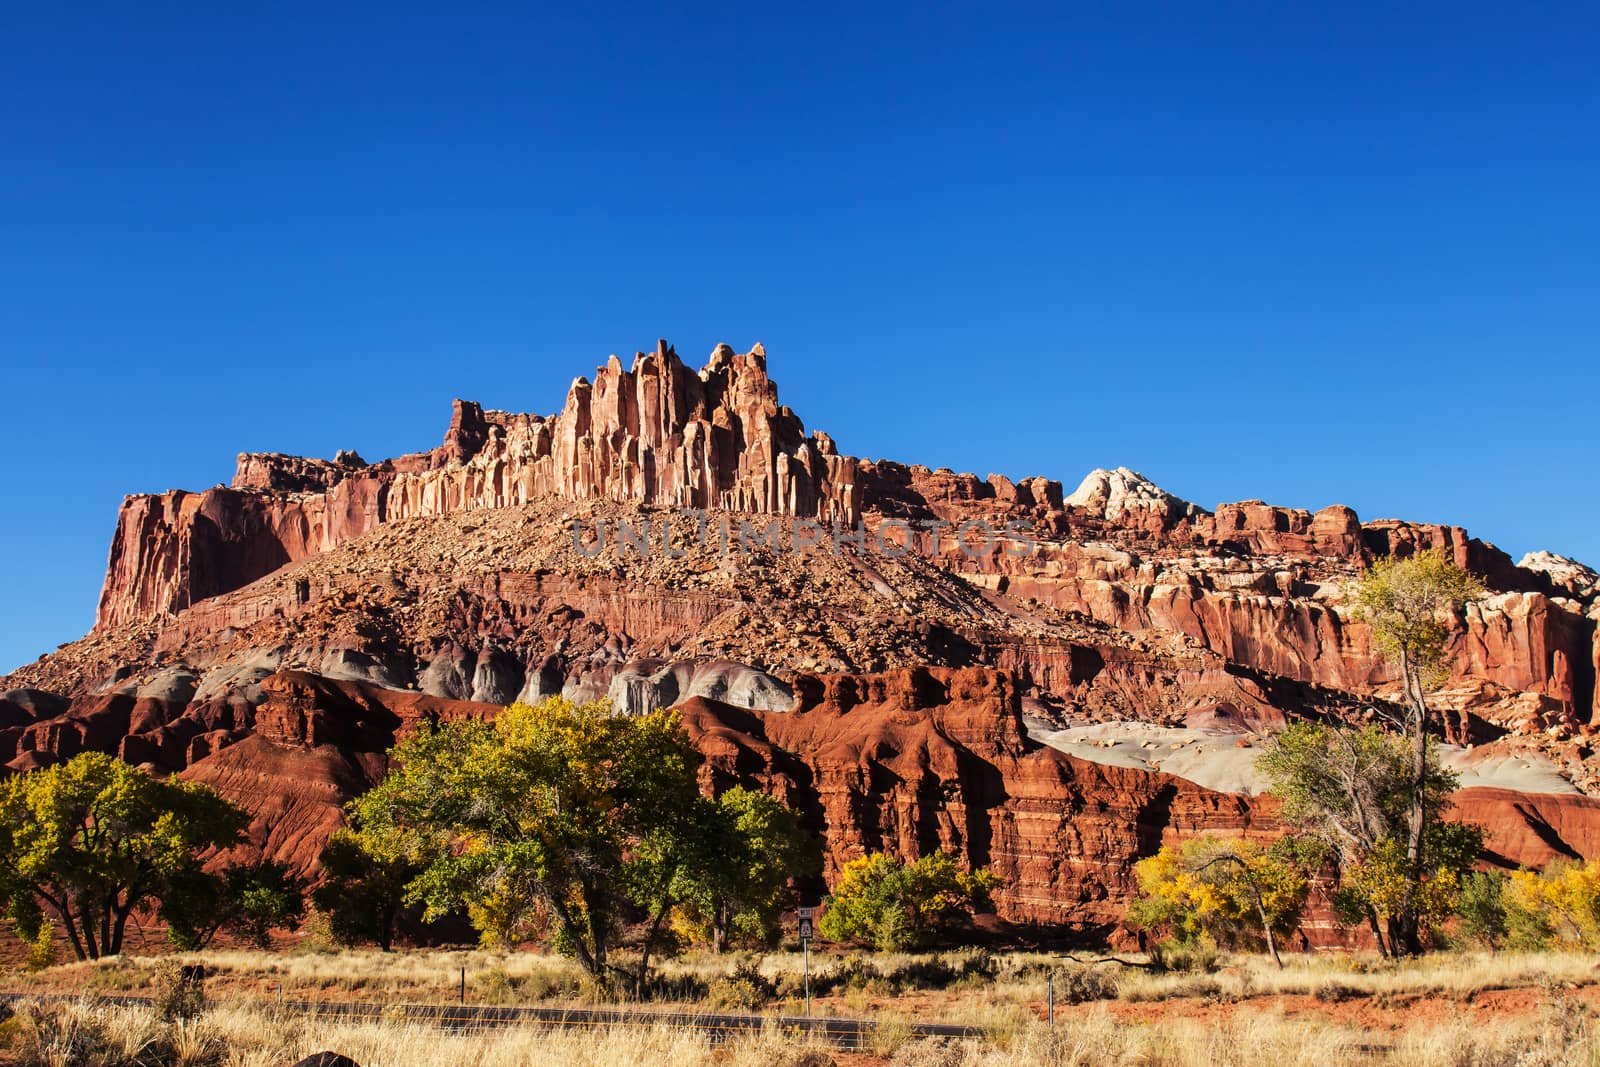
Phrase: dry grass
{"type": "Point", "coordinates": [1458, 1009]}
{"type": "Point", "coordinates": [1443, 974]}
{"type": "Point", "coordinates": [84, 1033]}
{"type": "Point", "coordinates": [432, 975]}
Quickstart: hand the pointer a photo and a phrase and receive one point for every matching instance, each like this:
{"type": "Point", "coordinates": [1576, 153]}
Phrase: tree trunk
{"type": "Point", "coordinates": [644, 952]}
{"type": "Point", "coordinates": [594, 968]}
{"type": "Point", "coordinates": [1266, 926]}
{"type": "Point", "coordinates": [119, 927]}
{"type": "Point", "coordinates": [1377, 934]}
{"type": "Point", "coordinates": [1418, 816]}
{"type": "Point", "coordinates": [86, 921]}
{"type": "Point", "coordinates": [63, 910]}
{"type": "Point", "coordinates": [1405, 932]}
{"type": "Point", "coordinates": [386, 929]}
{"type": "Point", "coordinates": [719, 927]}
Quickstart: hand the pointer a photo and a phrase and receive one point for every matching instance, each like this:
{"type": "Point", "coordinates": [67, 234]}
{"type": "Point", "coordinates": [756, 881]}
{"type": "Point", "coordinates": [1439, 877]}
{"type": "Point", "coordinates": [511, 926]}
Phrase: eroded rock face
{"type": "Point", "coordinates": [1126, 496]}
{"type": "Point", "coordinates": [273, 637]}
{"type": "Point", "coordinates": [1259, 585]}
{"type": "Point", "coordinates": [657, 433]}
{"type": "Point", "coordinates": [907, 761]}
{"type": "Point", "coordinates": [923, 759]}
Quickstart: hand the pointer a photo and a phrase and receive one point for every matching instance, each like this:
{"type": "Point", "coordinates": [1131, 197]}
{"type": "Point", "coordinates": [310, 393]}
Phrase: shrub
{"type": "Point", "coordinates": [667, 987]}
{"type": "Point", "coordinates": [549, 984]}
{"type": "Point", "coordinates": [976, 965]}
{"type": "Point", "coordinates": [744, 988]}
{"type": "Point", "coordinates": [925, 972]}
{"type": "Point", "coordinates": [1197, 956]}
{"type": "Point", "coordinates": [42, 947]}
{"type": "Point", "coordinates": [1331, 992]}
{"type": "Point", "coordinates": [179, 992]}
{"type": "Point", "coordinates": [1231, 891]}
{"type": "Point", "coordinates": [1483, 908]}
{"type": "Point", "coordinates": [497, 986]}
{"type": "Point", "coordinates": [852, 972]}
{"type": "Point", "coordinates": [1083, 985]}
{"type": "Point", "coordinates": [930, 1052]}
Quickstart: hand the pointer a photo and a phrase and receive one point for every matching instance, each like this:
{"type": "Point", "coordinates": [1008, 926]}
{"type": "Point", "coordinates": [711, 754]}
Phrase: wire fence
{"type": "Point", "coordinates": [718, 1027]}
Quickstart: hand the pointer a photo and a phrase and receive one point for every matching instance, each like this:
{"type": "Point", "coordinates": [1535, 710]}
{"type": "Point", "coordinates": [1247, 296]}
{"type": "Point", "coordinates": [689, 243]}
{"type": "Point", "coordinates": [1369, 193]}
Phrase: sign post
{"type": "Point", "coordinates": [806, 930]}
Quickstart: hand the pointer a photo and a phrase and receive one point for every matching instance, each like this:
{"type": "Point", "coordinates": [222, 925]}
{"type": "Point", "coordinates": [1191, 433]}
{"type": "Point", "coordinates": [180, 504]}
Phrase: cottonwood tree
{"type": "Point", "coordinates": [744, 888]}
{"type": "Point", "coordinates": [1558, 905]}
{"type": "Point", "coordinates": [362, 892]}
{"type": "Point", "coordinates": [884, 901]}
{"type": "Point", "coordinates": [92, 840]}
{"type": "Point", "coordinates": [1352, 793]}
{"type": "Point", "coordinates": [1410, 605]}
{"type": "Point", "coordinates": [1230, 890]}
{"type": "Point", "coordinates": [559, 812]}
{"type": "Point", "coordinates": [249, 899]}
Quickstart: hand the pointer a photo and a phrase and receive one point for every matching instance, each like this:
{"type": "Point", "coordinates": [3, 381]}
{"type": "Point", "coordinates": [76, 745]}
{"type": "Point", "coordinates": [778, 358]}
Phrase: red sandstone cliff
{"type": "Point", "coordinates": [656, 434]}
{"type": "Point", "coordinates": [273, 636]}
{"type": "Point", "coordinates": [1257, 584]}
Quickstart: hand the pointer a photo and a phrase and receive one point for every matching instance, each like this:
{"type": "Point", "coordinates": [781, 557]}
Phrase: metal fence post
{"type": "Point", "coordinates": [1050, 998]}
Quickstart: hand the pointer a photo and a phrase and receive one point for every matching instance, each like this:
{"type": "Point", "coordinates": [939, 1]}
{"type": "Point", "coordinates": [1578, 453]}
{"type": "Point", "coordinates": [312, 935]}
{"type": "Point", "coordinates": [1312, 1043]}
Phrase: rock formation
{"type": "Point", "coordinates": [896, 651]}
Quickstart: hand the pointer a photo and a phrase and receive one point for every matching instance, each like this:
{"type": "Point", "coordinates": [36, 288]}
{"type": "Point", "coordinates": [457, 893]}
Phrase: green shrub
{"type": "Point", "coordinates": [42, 948]}
{"type": "Point", "coordinates": [1084, 985]}
{"type": "Point", "coordinates": [179, 992]}
{"type": "Point", "coordinates": [1483, 908]}
{"type": "Point", "coordinates": [1196, 956]}
{"type": "Point", "coordinates": [852, 972]}
{"type": "Point", "coordinates": [496, 987]}
{"type": "Point", "coordinates": [744, 988]}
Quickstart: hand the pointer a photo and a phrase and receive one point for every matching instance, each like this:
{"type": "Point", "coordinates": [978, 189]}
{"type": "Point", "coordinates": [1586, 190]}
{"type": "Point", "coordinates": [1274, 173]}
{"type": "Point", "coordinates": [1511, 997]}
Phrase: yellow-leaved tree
{"type": "Point", "coordinates": [1230, 890]}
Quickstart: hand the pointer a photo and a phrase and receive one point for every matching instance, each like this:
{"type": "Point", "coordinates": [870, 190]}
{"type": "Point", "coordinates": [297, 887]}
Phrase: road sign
{"type": "Point", "coordinates": [805, 929]}
{"type": "Point", "coordinates": [807, 913]}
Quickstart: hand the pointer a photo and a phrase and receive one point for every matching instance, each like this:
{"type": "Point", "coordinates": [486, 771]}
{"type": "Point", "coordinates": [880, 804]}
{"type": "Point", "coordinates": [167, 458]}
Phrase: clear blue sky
{"type": "Point", "coordinates": [1252, 251]}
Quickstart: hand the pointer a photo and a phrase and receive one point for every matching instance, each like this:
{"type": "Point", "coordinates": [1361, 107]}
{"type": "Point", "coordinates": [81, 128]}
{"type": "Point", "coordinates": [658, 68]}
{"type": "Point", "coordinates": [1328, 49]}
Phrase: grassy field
{"type": "Point", "coordinates": [1449, 1009]}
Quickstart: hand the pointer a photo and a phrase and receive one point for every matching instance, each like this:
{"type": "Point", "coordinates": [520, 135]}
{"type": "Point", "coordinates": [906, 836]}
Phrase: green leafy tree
{"type": "Point", "coordinates": [1352, 792]}
{"type": "Point", "coordinates": [250, 900]}
{"type": "Point", "coordinates": [1483, 909]}
{"type": "Point", "coordinates": [92, 840]}
{"type": "Point", "coordinates": [362, 893]}
{"type": "Point", "coordinates": [1410, 605]}
{"type": "Point", "coordinates": [745, 887]}
{"type": "Point", "coordinates": [565, 810]}
{"type": "Point", "coordinates": [883, 901]}
{"type": "Point", "coordinates": [1231, 891]}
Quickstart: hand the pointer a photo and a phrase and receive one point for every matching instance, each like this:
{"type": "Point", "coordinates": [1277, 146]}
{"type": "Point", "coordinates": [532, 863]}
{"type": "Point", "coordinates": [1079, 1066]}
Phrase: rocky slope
{"type": "Point", "coordinates": [905, 652]}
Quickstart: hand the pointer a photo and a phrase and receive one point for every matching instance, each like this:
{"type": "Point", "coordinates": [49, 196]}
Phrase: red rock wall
{"type": "Point", "coordinates": [916, 760]}
{"type": "Point", "coordinates": [1240, 582]}
{"type": "Point", "coordinates": [658, 433]}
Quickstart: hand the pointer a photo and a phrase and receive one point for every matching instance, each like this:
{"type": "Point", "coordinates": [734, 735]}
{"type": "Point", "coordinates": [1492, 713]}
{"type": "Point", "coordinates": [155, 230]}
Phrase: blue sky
{"type": "Point", "coordinates": [1253, 251]}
